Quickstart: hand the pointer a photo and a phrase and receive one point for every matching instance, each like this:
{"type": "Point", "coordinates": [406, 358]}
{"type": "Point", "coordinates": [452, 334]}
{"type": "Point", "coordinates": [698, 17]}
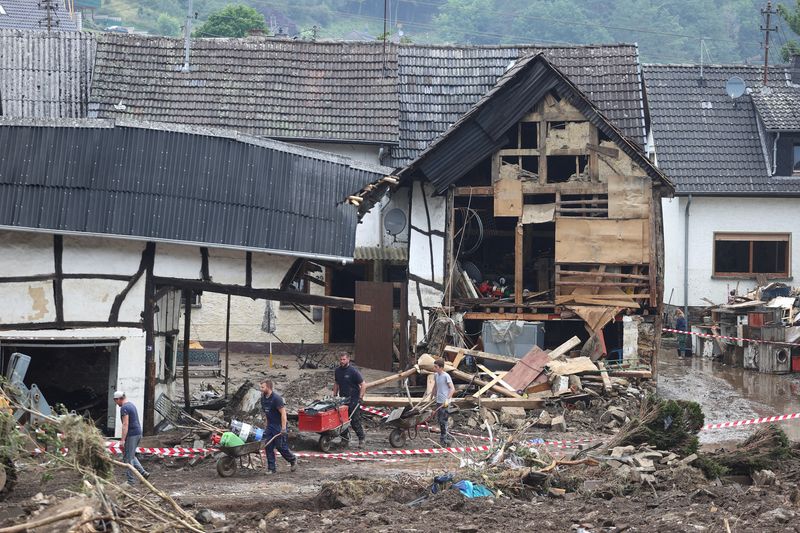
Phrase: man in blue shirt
{"type": "Point", "coordinates": [684, 347]}
{"type": "Point", "coordinates": [349, 384]}
{"type": "Point", "coordinates": [274, 409]}
{"type": "Point", "coordinates": [131, 435]}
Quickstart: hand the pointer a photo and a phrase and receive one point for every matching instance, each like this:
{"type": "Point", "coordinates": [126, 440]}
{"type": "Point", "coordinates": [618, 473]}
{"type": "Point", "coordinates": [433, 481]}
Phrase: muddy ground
{"type": "Point", "coordinates": [374, 495]}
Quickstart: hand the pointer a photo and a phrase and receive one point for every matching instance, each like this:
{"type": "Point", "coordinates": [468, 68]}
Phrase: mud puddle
{"type": "Point", "coordinates": [727, 393]}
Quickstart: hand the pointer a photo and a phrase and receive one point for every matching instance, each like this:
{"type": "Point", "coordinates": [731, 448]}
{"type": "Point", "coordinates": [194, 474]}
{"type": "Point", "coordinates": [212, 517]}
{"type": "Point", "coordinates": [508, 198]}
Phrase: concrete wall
{"type": "Point", "coordinates": [709, 215]}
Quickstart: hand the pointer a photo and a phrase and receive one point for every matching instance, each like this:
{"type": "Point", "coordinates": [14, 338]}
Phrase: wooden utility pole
{"type": "Point", "coordinates": [766, 28]}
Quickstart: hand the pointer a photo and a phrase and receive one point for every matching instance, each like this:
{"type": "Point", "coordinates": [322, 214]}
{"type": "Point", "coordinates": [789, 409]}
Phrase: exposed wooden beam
{"type": "Point", "coordinates": [265, 294]}
{"type": "Point", "coordinates": [511, 316]}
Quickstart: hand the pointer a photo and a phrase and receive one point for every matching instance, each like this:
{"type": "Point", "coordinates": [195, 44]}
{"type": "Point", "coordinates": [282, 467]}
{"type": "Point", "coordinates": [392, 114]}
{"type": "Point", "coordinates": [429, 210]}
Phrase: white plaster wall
{"type": "Point", "coordinates": [91, 299]}
{"type": "Point", "coordinates": [269, 270]}
{"type": "Point", "coordinates": [25, 254]}
{"type": "Point", "coordinates": [133, 304]}
{"type": "Point", "coordinates": [419, 258]}
{"type": "Point", "coordinates": [30, 301]}
{"type": "Point", "coordinates": [368, 153]}
{"type": "Point", "coordinates": [95, 255]}
{"type": "Point", "coordinates": [370, 230]}
{"type": "Point", "coordinates": [227, 266]}
{"type": "Point", "coordinates": [131, 356]}
{"type": "Point", "coordinates": [208, 321]}
{"type": "Point", "coordinates": [178, 261]}
{"type": "Point", "coordinates": [709, 215]}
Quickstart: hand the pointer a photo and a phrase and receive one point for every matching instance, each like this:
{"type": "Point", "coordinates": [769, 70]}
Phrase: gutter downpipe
{"type": "Point", "coordinates": [686, 259]}
{"type": "Point", "coordinates": [775, 153]}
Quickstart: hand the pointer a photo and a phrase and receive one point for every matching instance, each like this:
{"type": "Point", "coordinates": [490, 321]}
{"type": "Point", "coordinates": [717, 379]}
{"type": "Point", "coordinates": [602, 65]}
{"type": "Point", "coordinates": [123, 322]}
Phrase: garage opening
{"type": "Point", "coordinates": [81, 376]}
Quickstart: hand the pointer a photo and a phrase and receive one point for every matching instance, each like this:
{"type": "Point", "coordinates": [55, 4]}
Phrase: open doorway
{"type": "Point", "coordinates": [342, 327]}
{"type": "Point", "coordinates": [81, 376]}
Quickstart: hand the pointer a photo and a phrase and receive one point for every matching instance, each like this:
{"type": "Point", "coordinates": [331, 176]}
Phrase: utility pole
{"type": "Point", "coordinates": [385, 11]}
{"type": "Point", "coordinates": [49, 7]}
{"type": "Point", "coordinates": [766, 28]}
{"type": "Point", "coordinates": [187, 38]}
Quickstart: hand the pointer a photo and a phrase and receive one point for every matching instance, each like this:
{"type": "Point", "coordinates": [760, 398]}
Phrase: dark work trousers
{"type": "Point", "coordinates": [131, 443]}
{"type": "Point", "coordinates": [281, 443]}
{"type": "Point", "coordinates": [354, 409]}
{"type": "Point", "coordinates": [442, 417]}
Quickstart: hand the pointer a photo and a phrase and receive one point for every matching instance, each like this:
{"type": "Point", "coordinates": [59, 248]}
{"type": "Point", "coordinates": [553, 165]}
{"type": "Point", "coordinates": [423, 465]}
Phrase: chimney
{"type": "Point", "coordinates": [795, 69]}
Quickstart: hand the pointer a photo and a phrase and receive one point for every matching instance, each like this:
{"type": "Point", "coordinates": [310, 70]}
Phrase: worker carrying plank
{"type": "Point", "coordinates": [349, 384]}
{"type": "Point", "coordinates": [443, 390]}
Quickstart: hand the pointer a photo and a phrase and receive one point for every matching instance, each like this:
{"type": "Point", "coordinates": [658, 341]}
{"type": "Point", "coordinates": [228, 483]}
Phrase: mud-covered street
{"type": "Point", "coordinates": [727, 393]}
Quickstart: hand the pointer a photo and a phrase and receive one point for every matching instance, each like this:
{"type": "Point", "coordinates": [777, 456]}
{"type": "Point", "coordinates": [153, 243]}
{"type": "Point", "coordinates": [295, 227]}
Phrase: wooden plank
{"type": "Point", "coordinates": [629, 197]}
{"type": "Point", "coordinates": [566, 282]}
{"type": "Point", "coordinates": [493, 374]}
{"type": "Point", "coordinates": [564, 348]}
{"type": "Point", "coordinates": [491, 403]}
{"type": "Point", "coordinates": [582, 188]}
{"type": "Point", "coordinates": [592, 300]}
{"type": "Point", "coordinates": [458, 358]}
{"type": "Point", "coordinates": [393, 377]}
{"type": "Point", "coordinates": [610, 242]}
{"type": "Point", "coordinates": [510, 316]}
{"type": "Point", "coordinates": [483, 355]}
{"type": "Point", "coordinates": [474, 191]}
{"type": "Point", "coordinates": [488, 386]}
{"type": "Point", "coordinates": [605, 150]}
{"type": "Point", "coordinates": [518, 260]}
{"type": "Point", "coordinates": [508, 199]}
{"type": "Point", "coordinates": [572, 366]}
{"type": "Point", "coordinates": [529, 369]}
{"type": "Point", "coordinates": [604, 375]}
{"type": "Point", "coordinates": [469, 378]}
{"type": "Point", "coordinates": [619, 275]}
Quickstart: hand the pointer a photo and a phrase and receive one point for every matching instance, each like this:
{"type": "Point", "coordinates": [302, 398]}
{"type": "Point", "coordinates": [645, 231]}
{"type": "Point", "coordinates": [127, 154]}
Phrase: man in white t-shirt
{"type": "Point", "coordinates": [443, 390]}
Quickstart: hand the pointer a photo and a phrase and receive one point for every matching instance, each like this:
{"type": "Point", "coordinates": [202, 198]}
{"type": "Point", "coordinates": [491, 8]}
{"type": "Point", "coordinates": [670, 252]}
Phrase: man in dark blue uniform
{"type": "Point", "coordinates": [349, 384]}
{"type": "Point", "coordinates": [274, 409]}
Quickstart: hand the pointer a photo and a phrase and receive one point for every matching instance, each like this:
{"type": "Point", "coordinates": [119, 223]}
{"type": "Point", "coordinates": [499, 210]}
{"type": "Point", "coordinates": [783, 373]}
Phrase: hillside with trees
{"type": "Point", "coordinates": [725, 31]}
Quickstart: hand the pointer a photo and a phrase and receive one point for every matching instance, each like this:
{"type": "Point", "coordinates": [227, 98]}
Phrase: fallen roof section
{"type": "Point", "coordinates": [178, 184]}
{"type": "Point", "coordinates": [481, 130]}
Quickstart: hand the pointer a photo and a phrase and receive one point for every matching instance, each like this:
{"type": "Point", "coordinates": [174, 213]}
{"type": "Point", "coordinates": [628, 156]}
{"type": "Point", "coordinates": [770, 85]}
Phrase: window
{"type": "Point", "coordinates": [750, 254]}
{"type": "Point", "coordinates": [299, 285]}
{"type": "Point", "coordinates": [796, 160]}
{"type": "Point", "coordinates": [2, 11]}
{"type": "Point", "coordinates": [195, 300]}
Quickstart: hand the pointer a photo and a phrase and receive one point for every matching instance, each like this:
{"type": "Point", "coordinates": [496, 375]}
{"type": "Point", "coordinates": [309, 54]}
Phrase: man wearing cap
{"type": "Point", "coordinates": [131, 435]}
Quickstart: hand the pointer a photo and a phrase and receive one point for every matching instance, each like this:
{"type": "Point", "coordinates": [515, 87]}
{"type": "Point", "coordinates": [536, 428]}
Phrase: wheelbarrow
{"type": "Point", "coordinates": [233, 456]}
{"type": "Point", "coordinates": [328, 418]}
{"type": "Point", "coordinates": [406, 422]}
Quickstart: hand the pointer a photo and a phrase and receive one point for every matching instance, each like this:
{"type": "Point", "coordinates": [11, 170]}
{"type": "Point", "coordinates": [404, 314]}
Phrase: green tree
{"type": "Point", "coordinates": [166, 25]}
{"type": "Point", "coordinates": [792, 17]}
{"type": "Point", "coordinates": [234, 20]}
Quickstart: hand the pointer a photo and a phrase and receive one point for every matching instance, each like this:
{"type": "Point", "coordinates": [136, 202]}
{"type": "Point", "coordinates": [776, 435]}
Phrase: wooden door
{"type": "Point", "coordinates": [374, 329]}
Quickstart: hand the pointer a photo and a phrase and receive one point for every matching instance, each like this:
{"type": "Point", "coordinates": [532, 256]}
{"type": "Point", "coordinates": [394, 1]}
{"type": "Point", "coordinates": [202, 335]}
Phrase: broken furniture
{"type": "Point", "coordinates": [201, 362]}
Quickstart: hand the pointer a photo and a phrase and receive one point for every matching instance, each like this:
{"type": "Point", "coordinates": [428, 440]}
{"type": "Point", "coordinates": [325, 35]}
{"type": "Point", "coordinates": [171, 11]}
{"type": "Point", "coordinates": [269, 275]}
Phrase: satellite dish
{"type": "Point", "coordinates": [735, 87]}
{"type": "Point", "coordinates": [394, 221]}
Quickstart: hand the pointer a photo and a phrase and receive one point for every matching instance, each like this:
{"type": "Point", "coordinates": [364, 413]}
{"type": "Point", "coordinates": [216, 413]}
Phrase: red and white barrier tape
{"type": "Point", "coordinates": [738, 339]}
{"type": "Point", "coordinates": [752, 421]}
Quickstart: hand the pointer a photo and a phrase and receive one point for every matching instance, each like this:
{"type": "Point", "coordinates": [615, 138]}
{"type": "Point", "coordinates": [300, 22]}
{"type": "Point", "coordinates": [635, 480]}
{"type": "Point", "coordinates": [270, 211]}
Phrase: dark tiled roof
{"type": "Point", "coordinates": [779, 107]}
{"type": "Point", "coordinates": [481, 130]}
{"type": "Point", "coordinates": [27, 15]}
{"type": "Point", "coordinates": [267, 87]}
{"type": "Point", "coordinates": [705, 142]}
{"type": "Point", "coordinates": [182, 184]}
{"type": "Point", "coordinates": [45, 75]}
{"type": "Point", "coordinates": [438, 84]}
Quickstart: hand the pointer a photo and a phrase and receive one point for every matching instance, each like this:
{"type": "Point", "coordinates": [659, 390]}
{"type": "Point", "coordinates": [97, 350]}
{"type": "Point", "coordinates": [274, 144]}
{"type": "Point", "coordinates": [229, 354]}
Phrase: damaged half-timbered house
{"type": "Point", "coordinates": [535, 206]}
{"type": "Point", "coordinates": [104, 225]}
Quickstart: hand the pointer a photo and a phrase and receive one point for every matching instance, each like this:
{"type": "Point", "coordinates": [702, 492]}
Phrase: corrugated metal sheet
{"type": "Point", "coordinates": [45, 74]}
{"type": "Point", "coordinates": [180, 185]}
{"type": "Point", "coordinates": [481, 131]}
{"type": "Point", "coordinates": [381, 253]}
